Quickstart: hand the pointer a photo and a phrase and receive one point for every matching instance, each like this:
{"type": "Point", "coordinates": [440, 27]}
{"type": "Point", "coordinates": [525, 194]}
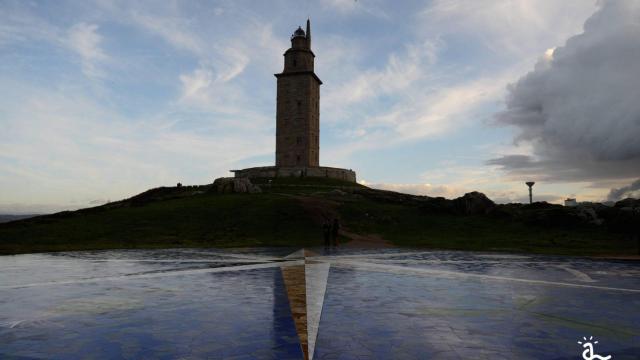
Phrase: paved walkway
{"type": "Point", "coordinates": [291, 303]}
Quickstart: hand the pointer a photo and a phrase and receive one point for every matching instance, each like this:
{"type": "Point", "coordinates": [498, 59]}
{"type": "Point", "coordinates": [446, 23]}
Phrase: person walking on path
{"type": "Point", "coordinates": [335, 228]}
{"type": "Point", "coordinates": [326, 232]}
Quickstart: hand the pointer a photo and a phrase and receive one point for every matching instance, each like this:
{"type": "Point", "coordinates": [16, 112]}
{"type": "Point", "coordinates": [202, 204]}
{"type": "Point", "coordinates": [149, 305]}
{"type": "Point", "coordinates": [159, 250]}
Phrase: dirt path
{"type": "Point", "coordinates": [324, 210]}
{"type": "Point", "coordinates": [365, 241]}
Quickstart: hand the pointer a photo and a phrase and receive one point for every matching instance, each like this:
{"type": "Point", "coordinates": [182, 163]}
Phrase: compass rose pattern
{"type": "Point", "coordinates": [278, 303]}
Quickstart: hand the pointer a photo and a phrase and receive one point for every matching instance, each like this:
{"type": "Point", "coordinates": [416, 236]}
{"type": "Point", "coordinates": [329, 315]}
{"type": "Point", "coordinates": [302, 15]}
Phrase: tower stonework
{"type": "Point", "coordinates": [298, 119]}
{"type": "Point", "coordinates": [298, 105]}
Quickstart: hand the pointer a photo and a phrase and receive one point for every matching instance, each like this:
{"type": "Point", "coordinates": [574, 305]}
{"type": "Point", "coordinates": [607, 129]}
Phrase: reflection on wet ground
{"type": "Point", "coordinates": [284, 303]}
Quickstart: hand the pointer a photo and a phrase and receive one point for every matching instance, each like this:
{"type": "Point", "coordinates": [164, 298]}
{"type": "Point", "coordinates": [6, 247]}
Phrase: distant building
{"type": "Point", "coordinates": [298, 118]}
{"type": "Point", "coordinates": [570, 202]}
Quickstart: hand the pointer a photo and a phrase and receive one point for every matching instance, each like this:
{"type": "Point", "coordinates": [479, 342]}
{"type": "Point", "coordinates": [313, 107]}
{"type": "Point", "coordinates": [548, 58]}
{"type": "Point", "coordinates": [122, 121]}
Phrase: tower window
{"type": "Point", "coordinates": [297, 159]}
{"type": "Point", "coordinates": [295, 62]}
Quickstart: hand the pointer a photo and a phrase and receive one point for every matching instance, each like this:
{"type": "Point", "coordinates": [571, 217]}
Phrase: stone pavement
{"type": "Point", "coordinates": [279, 303]}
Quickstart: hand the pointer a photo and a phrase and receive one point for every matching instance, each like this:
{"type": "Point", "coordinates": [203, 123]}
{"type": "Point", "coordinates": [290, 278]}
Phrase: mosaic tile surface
{"type": "Point", "coordinates": [316, 304]}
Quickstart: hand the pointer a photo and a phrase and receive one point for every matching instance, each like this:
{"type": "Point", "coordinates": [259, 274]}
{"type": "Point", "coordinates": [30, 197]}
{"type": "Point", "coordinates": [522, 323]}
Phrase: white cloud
{"type": "Point", "coordinates": [517, 28]}
{"type": "Point", "coordinates": [225, 56]}
{"type": "Point", "coordinates": [174, 30]}
{"type": "Point", "coordinates": [85, 40]}
{"type": "Point", "coordinates": [19, 26]}
{"type": "Point", "coordinates": [399, 73]}
{"type": "Point", "coordinates": [235, 61]}
{"type": "Point", "coordinates": [351, 7]}
{"type": "Point", "coordinates": [444, 110]}
{"type": "Point", "coordinates": [194, 84]}
{"type": "Point", "coordinates": [82, 150]}
{"type": "Point", "coordinates": [423, 114]}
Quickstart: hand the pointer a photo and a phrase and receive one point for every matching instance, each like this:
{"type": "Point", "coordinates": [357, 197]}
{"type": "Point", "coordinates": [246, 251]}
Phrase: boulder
{"type": "Point", "coordinates": [473, 203]}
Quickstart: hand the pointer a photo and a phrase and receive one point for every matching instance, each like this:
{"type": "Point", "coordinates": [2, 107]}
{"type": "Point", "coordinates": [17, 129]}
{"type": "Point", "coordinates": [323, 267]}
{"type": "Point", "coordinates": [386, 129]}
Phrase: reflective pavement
{"type": "Point", "coordinates": [280, 303]}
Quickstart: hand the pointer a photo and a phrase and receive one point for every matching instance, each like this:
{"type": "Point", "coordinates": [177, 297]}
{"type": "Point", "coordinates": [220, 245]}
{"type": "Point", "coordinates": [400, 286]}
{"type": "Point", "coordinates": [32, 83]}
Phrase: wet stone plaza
{"type": "Point", "coordinates": [316, 303]}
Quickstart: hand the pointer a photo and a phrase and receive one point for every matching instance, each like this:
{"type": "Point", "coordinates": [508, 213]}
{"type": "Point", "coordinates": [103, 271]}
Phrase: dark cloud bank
{"type": "Point", "coordinates": [580, 108]}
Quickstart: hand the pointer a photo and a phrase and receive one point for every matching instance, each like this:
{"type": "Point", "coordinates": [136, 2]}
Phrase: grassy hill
{"type": "Point", "coordinates": [6, 218]}
{"type": "Point", "coordinates": [290, 212]}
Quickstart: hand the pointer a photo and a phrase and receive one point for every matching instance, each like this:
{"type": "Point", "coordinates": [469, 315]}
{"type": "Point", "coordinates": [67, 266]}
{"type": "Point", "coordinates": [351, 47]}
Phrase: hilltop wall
{"type": "Point", "coordinates": [279, 171]}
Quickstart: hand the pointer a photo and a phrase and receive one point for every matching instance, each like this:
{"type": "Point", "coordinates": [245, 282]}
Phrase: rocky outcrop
{"type": "Point", "coordinates": [473, 203]}
{"type": "Point", "coordinates": [227, 185]}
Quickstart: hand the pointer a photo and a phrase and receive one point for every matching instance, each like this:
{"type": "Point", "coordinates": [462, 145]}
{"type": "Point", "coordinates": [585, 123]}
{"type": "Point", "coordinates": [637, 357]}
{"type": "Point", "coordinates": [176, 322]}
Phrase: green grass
{"type": "Point", "coordinates": [173, 217]}
{"type": "Point", "coordinates": [222, 220]}
{"type": "Point", "coordinates": [409, 226]}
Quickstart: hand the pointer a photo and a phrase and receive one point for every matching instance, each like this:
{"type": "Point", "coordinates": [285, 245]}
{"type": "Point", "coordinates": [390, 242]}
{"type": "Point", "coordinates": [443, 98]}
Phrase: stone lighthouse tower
{"type": "Point", "coordinates": [298, 105]}
{"type": "Point", "coordinates": [298, 119]}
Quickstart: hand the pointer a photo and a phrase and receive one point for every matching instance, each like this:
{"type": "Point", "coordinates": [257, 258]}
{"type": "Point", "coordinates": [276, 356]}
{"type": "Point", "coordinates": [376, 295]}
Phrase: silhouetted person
{"type": "Point", "coordinates": [335, 228]}
{"type": "Point", "coordinates": [326, 232]}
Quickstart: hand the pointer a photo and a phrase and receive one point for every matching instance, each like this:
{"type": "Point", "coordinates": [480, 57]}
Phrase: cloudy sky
{"type": "Point", "coordinates": [100, 100]}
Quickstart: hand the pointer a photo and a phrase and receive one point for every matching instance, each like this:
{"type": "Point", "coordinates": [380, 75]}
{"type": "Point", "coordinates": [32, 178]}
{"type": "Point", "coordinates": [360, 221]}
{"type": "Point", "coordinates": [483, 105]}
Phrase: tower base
{"type": "Point", "coordinates": [297, 171]}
